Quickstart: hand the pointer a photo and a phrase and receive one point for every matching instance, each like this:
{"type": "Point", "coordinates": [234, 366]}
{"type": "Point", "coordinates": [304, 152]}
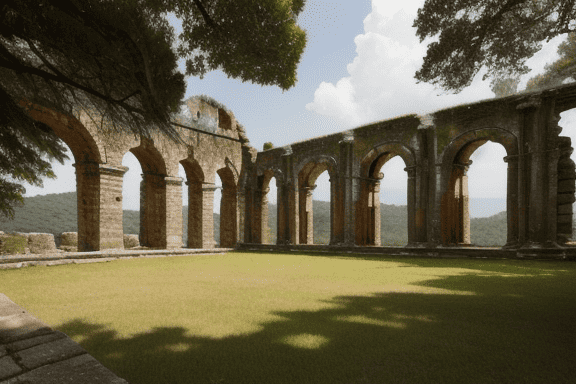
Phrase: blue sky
{"type": "Point", "coordinates": [357, 68]}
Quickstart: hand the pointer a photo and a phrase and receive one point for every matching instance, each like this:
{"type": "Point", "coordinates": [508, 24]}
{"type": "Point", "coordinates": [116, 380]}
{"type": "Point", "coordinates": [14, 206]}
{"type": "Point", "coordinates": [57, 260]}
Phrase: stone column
{"type": "Point", "coordinates": [374, 214]}
{"type": "Point", "coordinates": [411, 206]}
{"type": "Point", "coordinates": [464, 206]}
{"type": "Point", "coordinates": [173, 212]}
{"type": "Point", "coordinates": [512, 202]}
{"type": "Point", "coordinates": [455, 208]}
{"type": "Point", "coordinates": [99, 199]}
{"type": "Point", "coordinates": [264, 227]}
{"type": "Point", "coordinates": [306, 215]}
{"type": "Point", "coordinates": [201, 215]}
{"type": "Point", "coordinates": [346, 194]}
{"type": "Point", "coordinates": [242, 228]}
{"type": "Point", "coordinates": [153, 210]}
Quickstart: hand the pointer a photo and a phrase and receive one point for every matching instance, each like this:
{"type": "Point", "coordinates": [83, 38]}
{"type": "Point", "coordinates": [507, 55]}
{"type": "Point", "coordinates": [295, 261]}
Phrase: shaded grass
{"type": "Point", "coordinates": [295, 318]}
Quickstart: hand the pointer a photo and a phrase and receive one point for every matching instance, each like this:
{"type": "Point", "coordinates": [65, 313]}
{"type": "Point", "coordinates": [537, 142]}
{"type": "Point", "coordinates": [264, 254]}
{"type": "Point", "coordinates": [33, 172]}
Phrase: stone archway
{"type": "Point", "coordinates": [368, 206]}
{"type": "Point", "coordinates": [308, 173]}
{"type": "Point", "coordinates": [260, 226]}
{"type": "Point", "coordinates": [454, 211]}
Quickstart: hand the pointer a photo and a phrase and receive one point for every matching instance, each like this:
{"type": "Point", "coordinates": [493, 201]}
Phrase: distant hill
{"type": "Point", "coordinates": [56, 213]}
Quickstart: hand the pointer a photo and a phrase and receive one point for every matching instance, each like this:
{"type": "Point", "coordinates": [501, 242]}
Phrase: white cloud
{"type": "Point", "coordinates": [381, 84]}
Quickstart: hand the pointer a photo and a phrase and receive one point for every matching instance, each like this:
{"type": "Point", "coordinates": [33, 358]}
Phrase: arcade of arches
{"type": "Point", "coordinates": [435, 149]}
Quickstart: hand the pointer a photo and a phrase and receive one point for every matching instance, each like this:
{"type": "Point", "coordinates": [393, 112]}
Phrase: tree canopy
{"type": "Point", "coordinates": [117, 60]}
{"type": "Point", "coordinates": [498, 34]}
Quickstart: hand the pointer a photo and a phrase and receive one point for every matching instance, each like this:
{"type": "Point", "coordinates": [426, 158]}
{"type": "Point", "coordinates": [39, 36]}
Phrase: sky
{"type": "Point", "coordinates": [358, 67]}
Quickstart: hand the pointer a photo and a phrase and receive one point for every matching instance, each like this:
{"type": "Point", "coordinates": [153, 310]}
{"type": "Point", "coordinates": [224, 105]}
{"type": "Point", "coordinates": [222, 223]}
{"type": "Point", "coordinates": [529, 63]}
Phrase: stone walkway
{"type": "Point", "coordinates": [60, 257]}
{"type": "Point", "coordinates": [33, 353]}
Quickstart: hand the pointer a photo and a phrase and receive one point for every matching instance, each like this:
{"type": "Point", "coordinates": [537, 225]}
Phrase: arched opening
{"type": "Point", "coordinates": [50, 208]}
{"type": "Point", "coordinates": [393, 186]}
{"type": "Point", "coordinates": [491, 179]}
{"type": "Point", "coordinates": [315, 217]}
{"type": "Point", "coordinates": [385, 214]}
{"type": "Point", "coordinates": [153, 230]}
{"type": "Point", "coordinates": [131, 200]}
{"type": "Point", "coordinates": [487, 175]}
{"type": "Point", "coordinates": [200, 232]}
{"type": "Point", "coordinates": [272, 197]}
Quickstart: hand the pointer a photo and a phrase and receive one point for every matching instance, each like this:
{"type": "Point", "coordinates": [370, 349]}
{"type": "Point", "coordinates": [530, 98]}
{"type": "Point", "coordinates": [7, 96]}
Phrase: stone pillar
{"type": "Point", "coordinates": [512, 202]}
{"type": "Point", "coordinates": [346, 194]}
{"type": "Point", "coordinates": [173, 212]}
{"type": "Point", "coordinates": [228, 217]}
{"type": "Point", "coordinates": [264, 227]}
{"type": "Point", "coordinates": [374, 214]}
{"type": "Point", "coordinates": [99, 199]}
{"type": "Point", "coordinates": [540, 145]}
{"type": "Point", "coordinates": [153, 210]}
{"type": "Point", "coordinates": [566, 188]}
{"type": "Point", "coordinates": [306, 215]}
{"type": "Point", "coordinates": [242, 227]}
{"type": "Point", "coordinates": [411, 206]}
{"type": "Point", "coordinates": [201, 215]}
{"type": "Point", "coordinates": [455, 208]}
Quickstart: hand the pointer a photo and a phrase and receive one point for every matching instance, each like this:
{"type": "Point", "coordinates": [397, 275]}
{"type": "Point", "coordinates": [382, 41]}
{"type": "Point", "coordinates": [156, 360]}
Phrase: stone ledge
{"type": "Point", "coordinates": [33, 353]}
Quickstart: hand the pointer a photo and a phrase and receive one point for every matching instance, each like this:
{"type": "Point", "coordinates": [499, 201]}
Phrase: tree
{"type": "Point", "coordinates": [561, 70]}
{"type": "Point", "coordinates": [498, 34]}
{"type": "Point", "coordinates": [116, 61]}
{"type": "Point", "coordinates": [505, 87]}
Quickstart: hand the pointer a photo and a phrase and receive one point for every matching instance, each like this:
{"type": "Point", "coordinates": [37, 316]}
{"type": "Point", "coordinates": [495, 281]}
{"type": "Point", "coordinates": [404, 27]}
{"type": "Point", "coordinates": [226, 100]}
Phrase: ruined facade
{"type": "Point", "coordinates": [435, 148]}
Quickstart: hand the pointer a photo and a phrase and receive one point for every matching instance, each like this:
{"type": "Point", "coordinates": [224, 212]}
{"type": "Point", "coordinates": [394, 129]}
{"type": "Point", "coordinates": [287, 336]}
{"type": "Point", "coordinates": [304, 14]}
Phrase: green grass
{"type": "Point", "coordinates": [296, 318]}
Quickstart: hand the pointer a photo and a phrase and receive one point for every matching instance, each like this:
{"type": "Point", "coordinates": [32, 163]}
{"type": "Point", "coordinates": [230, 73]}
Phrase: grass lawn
{"type": "Point", "coordinates": [297, 318]}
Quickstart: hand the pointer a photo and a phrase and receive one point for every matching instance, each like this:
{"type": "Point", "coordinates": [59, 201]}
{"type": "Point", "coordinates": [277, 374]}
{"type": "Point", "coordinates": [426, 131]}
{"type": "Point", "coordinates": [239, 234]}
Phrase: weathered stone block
{"type": "Point", "coordinates": [33, 341]}
{"type": "Point", "coordinates": [131, 241]}
{"type": "Point", "coordinates": [564, 219]}
{"type": "Point", "coordinates": [80, 369]}
{"type": "Point", "coordinates": [8, 367]}
{"type": "Point", "coordinates": [565, 186]}
{"type": "Point", "coordinates": [69, 239]}
{"type": "Point", "coordinates": [565, 198]}
{"type": "Point", "coordinates": [49, 353]}
{"type": "Point", "coordinates": [565, 209]}
{"type": "Point", "coordinates": [41, 242]}
{"type": "Point", "coordinates": [12, 244]}
{"type": "Point", "coordinates": [566, 173]}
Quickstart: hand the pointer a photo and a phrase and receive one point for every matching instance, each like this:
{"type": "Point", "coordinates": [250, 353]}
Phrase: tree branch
{"type": "Point", "coordinates": [205, 15]}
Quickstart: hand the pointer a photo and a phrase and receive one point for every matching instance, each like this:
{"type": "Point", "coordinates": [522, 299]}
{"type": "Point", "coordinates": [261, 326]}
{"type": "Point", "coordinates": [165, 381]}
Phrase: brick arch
{"type": "Point", "coordinates": [368, 206]}
{"type": "Point", "coordinates": [454, 204]}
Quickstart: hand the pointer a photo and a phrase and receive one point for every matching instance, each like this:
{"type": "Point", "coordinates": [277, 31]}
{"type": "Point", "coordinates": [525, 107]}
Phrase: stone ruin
{"type": "Point", "coordinates": [435, 148]}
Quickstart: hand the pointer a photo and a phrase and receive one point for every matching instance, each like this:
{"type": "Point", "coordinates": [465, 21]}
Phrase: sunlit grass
{"type": "Point", "coordinates": [287, 318]}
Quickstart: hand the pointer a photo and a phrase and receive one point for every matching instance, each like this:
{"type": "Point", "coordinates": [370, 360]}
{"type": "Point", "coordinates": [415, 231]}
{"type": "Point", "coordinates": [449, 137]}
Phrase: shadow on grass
{"type": "Point", "coordinates": [494, 328]}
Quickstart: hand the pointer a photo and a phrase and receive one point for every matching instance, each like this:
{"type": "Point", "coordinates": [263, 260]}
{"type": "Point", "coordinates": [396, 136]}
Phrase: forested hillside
{"type": "Point", "coordinates": [56, 213]}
